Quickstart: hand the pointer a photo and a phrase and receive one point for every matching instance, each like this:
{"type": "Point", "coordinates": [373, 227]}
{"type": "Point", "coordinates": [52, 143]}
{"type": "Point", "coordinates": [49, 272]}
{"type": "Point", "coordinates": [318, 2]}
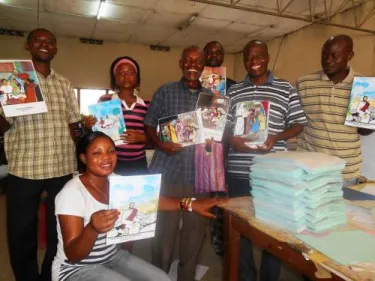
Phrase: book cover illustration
{"type": "Point", "coordinates": [185, 128]}
{"type": "Point", "coordinates": [109, 119]}
{"type": "Point", "coordinates": [252, 121]}
{"type": "Point", "coordinates": [214, 110]}
{"type": "Point", "coordinates": [20, 92]}
{"type": "Point", "coordinates": [215, 79]}
{"type": "Point", "coordinates": [137, 199]}
{"type": "Point", "coordinates": [361, 109]}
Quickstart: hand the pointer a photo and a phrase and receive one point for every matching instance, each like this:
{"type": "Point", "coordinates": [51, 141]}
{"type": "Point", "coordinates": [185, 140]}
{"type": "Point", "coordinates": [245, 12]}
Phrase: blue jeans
{"type": "Point", "coordinates": [270, 266]}
{"type": "Point", "coordinates": [123, 267]}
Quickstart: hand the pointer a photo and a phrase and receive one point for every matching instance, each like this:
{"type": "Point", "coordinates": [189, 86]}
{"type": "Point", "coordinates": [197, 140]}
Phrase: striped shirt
{"type": "Point", "coordinates": [39, 146]}
{"type": "Point", "coordinates": [134, 116]}
{"type": "Point", "coordinates": [75, 200]}
{"type": "Point", "coordinates": [285, 110]}
{"type": "Point", "coordinates": [326, 105]}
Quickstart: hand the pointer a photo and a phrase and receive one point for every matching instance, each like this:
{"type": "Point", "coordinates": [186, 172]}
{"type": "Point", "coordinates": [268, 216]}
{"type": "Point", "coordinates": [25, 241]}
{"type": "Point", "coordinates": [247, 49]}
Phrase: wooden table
{"type": "Point", "coordinates": [239, 220]}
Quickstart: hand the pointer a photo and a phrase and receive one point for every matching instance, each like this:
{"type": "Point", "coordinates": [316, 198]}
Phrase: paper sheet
{"type": "Point", "coordinates": [369, 189]}
{"type": "Point", "coordinates": [345, 247]}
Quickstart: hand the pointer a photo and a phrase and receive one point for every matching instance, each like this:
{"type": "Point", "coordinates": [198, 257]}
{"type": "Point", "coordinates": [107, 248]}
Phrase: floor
{"type": "Point", "coordinates": [141, 249]}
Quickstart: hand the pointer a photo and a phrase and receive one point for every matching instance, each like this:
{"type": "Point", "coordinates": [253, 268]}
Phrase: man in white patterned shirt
{"type": "Point", "coordinates": [41, 156]}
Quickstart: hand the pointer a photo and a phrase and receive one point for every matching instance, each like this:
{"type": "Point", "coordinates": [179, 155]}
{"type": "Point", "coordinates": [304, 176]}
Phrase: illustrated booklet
{"type": "Point", "coordinates": [214, 111]}
{"type": "Point", "coordinates": [110, 119]}
{"type": "Point", "coordinates": [215, 79]}
{"type": "Point", "coordinates": [137, 200]}
{"type": "Point", "coordinates": [20, 91]}
{"type": "Point", "coordinates": [252, 121]}
{"type": "Point", "coordinates": [361, 109]}
{"type": "Point", "coordinates": [185, 128]}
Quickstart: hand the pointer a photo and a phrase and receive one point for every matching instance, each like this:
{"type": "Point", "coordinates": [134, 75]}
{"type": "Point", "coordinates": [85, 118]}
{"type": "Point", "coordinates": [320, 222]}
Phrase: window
{"type": "Point", "coordinates": [88, 97]}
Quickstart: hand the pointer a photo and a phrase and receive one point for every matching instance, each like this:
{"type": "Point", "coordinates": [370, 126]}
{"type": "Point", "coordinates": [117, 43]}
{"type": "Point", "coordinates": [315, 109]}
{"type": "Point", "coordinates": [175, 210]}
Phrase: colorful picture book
{"type": "Point", "coordinates": [214, 110]}
{"type": "Point", "coordinates": [20, 92]}
{"type": "Point", "coordinates": [110, 119]}
{"type": "Point", "coordinates": [137, 199]}
{"type": "Point", "coordinates": [185, 128]}
{"type": "Point", "coordinates": [252, 121]}
{"type": "Point", "coordinates": [215, 79]}
{"type": "Point", "coordinates": [361, 109]}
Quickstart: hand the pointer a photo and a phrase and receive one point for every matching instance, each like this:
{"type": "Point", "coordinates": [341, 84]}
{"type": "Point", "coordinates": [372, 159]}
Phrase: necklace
{"type": "Point", "coordinates": [98, 189]}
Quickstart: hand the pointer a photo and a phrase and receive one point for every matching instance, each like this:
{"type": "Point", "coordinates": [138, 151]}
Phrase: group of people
{"type": "Point", "coordinates": [41, 156]}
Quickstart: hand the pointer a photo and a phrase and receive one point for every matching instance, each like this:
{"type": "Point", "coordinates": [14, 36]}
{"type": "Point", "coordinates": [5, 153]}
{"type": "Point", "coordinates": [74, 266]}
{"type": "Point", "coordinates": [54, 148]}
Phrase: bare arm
{"type": "Point", "coordinates": [78, 239]}
{"type": "Point", "coordinates": [292, 131]}
{"type": "Point", "coordinates": [201, 207]}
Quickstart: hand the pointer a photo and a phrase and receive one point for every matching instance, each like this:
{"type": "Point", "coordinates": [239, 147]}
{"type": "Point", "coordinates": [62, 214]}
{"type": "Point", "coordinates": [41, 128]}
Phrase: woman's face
{"type": "Point", "coordinates": [100, 158]}
{"type": "Point", "coordinates": [126, 76]}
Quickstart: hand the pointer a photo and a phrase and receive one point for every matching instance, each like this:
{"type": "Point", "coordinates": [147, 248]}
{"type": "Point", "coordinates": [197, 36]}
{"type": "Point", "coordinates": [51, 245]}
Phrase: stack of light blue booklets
{"type": "Point", "coordinates": [298, 190]}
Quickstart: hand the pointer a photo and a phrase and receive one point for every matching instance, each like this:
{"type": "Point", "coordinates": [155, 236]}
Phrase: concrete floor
{"type": "Point", "coordinates": [141, 249]}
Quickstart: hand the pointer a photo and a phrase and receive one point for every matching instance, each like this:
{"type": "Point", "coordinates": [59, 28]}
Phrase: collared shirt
{"type": "Point", "coordinates": [326, 105]}
{"type": "Point", "coordinates": [39, 146]}
{"type": "Point", "coordinates": [285, 110]}
{"type": "Point", "coordinates": [171, 99]}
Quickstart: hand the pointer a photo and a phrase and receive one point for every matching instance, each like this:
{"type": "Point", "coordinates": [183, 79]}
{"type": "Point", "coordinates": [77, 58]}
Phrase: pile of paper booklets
{"type": "Point", "coordinates": [298, 190]}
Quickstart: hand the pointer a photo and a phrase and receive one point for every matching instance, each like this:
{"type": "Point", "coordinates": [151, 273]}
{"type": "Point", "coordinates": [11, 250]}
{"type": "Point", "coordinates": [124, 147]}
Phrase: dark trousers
{"type": "Point", "coordinates": [192, 234]}
{"type": "Point", "coordinates": [270, 266]}
{"type": "Point", "coordinates": [23, 201]}
{"type": "Point", "coordinates": [131, 168]}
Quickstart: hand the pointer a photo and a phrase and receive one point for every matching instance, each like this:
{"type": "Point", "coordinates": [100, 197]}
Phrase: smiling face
{"type": "Point", "coordinates": [126, 76]}
{"type": "Point", "coordinates": [100, 157]}
{"type": "Point", "coordinates": [192, 64]}
{"type": "Point", "coordinates": [42, 46]}
{"type": "Point", "coordinates": [256, 60]}
{"type": "Point", "coordinates": [214, 54]}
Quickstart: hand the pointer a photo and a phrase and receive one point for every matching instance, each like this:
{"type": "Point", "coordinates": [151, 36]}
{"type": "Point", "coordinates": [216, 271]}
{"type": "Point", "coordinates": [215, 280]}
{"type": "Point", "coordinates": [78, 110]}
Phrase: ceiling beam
{"type": "Point", "coordinates": [286, 6]}
{"type": "Point", "coordinates": [287, 16]}
{"type": "Point", "coordinates": [369, 15]}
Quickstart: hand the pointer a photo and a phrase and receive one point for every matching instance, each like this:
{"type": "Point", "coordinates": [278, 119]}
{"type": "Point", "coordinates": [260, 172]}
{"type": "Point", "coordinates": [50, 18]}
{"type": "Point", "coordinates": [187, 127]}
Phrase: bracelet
{"type": "Point", "coordinates": [186, 204]}
{"type": "Point", "coordinates": [190, 208]}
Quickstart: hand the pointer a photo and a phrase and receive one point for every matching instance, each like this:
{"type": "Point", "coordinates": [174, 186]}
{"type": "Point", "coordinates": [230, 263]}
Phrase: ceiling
{"type": "Point", "coordinates": [231, 22]}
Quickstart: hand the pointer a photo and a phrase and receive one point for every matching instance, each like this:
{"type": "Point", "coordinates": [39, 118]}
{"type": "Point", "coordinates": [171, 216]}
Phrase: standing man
{"type": "Point", "coordinates": [214, 56]}
{"type": "Point", "coordinates": [41, 156]}
{"type": "Point", "coordinates": [325, 98]}
{"type": "Point", "coordinates": [176, 164]}
{"type": "Point", "coordinates": [286, 120]}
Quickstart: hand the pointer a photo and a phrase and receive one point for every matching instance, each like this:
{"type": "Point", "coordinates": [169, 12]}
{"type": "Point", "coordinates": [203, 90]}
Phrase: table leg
{"type": "Point", "coordinates": [231, 249]}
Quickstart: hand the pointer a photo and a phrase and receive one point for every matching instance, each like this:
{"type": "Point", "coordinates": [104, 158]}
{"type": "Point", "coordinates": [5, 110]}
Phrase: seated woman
{"type": "Point", "coordinates": [83, 219]}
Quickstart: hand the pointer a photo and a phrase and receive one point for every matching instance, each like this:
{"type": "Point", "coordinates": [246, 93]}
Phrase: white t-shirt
{"type": "Point", "coordinates": [75, 200]}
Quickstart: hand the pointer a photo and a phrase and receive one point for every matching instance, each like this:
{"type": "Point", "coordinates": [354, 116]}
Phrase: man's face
{"type": "Point", "coordinates": [256, 61]}
{"type": "Point", "coordinates": [192, 64]}
{"type": "Point", "coordinates": [214, 55]}
{"type": "Point", "coordinates": [335, 57]}
{"type": "Point", "coordinates": [42, 46]}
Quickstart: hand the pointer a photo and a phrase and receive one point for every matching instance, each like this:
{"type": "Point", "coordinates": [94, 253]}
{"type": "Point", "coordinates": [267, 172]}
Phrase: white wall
{"type": "Point", "coordinates": [87, 66]}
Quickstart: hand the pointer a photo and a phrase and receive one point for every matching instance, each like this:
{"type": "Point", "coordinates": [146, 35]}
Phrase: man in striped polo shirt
{"type": "Point", "coordinates": [286, 120]}
{"type": "Point", "coordinates": [325, 97]}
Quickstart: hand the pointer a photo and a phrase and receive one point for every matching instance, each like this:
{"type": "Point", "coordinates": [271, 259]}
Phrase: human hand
{"type": "Point", "coordinates": [170, 148]}
{"type": "Point", "coordinates": [133, 136]}
{"type": "Point", "coordinates": [89, 121]}
{"type": "Point", "coordinates": [268, 144]}
{"type": "Point", "coordinates": [239, 144]}
{"type": "Point", "coordinates": [202, 206]}
{"type": "Point", "coordinates": [104, 220]}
